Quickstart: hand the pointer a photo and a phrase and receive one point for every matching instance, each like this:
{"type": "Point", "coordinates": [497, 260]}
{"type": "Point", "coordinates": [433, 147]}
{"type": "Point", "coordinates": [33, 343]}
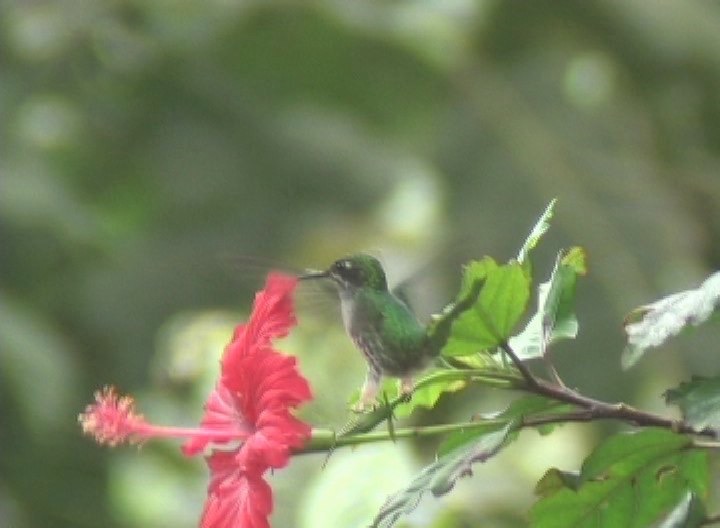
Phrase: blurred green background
{"type": "Point", "coordinates": [157, 157]}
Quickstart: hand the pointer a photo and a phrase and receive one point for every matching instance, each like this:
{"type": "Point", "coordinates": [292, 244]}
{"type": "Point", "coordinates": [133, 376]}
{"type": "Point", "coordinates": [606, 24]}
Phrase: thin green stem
{"type": "Point", "coordinates": [489, 376]}
{"type": "Point", "coordinates": [324, 440]}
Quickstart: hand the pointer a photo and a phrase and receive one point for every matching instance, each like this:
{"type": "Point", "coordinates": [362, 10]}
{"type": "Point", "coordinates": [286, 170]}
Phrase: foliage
{"type": "Point", "coordinates": [699, 401]}
{"type": "Point", "coordinates": [440, 477]}
{"type": "Point", "coordinates": [629, 480]}
{"type": "Point", "coordinates": [555, 318]}
{"type": "Point", "coordinates": [495, 311]}
{"type": "Point", "coordinates": [638, 479]}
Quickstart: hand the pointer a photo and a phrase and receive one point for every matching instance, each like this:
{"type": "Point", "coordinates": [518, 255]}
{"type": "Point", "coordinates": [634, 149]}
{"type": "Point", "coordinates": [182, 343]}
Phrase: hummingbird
{"type": "Point", "coordinates": [383, 327]}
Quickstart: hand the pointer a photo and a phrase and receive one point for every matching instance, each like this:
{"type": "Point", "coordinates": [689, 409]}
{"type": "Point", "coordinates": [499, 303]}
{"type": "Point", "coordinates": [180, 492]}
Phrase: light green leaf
{"type": "Point", "coordinates": [440, 477]}
{"type": "Point", "coordinates": [630, 480]}
{"type": "Point", "coordinates": [474, 275]}
{"type": "Point", "coordinates": [538, 230]}
{"type": "Point", "coordinates": [555, 317]}
{"type": "Point", "coordinates": [499, 305]}
{"type": "Point", "coordinates": [652, 324]}
{"type": "Point", "coordinates": [698, 400]}
{"type": "Point", "coordinates": [429, 390]}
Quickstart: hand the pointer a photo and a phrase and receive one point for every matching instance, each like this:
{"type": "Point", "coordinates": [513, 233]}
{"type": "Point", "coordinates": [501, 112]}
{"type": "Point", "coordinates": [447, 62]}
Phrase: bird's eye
{"type": "Point", "coordinates": [346, 264]}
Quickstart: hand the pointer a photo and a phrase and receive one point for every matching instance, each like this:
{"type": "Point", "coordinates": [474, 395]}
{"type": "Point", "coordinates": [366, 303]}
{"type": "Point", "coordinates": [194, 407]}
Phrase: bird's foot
{"type": "Point", "coordinates": [368, 399]}
{"type": "Point", "coordinates": [362, 407]}
{"type": "Point", "coordinates": [407, 386]}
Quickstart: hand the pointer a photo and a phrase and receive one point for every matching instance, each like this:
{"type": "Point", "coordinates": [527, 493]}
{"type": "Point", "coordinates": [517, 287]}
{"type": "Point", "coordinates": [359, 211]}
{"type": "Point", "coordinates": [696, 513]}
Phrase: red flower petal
{"type": "Point", "coordinates": [273, 315]}
{"type": "Point", "coordinates": [223, 415]}
{"type": "Point", "coordinates": [258, 401]}
{"type": "Point", "coordinates": [270, 446]}
{"type": "Point", "coordinates": [267, 380]}
{"type": "Point", "coordinates": [236, 498]}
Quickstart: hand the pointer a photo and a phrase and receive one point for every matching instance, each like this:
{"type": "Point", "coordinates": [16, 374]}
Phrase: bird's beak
{"type": "Point", "coordinates": [314, 274]}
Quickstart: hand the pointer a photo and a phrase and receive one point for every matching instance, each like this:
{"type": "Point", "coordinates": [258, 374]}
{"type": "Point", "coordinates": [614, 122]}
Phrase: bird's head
{"type": "Point", "coordinates": [352, 273]}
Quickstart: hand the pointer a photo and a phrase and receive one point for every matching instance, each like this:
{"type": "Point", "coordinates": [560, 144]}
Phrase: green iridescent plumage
{"type": "Point", "coordinates": [388, 333]}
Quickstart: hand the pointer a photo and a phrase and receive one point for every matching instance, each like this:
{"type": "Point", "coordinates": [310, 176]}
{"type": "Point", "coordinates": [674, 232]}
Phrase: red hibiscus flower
{"type": "Point", "coordinates": [248, 425]}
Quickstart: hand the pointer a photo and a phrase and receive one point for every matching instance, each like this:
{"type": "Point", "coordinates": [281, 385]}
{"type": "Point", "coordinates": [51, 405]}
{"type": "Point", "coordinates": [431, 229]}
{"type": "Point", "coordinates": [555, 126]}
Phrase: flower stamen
{"type": "Point", "coordinates": [112, 419]}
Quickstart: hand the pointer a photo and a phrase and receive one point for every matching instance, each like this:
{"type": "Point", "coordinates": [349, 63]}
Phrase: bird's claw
{"type": "Point", "coordinates": [362, 407]}
{"type": "Point", "coordinates": [407, 387]}
{"type": "Point", "coordinates": [405, 397]}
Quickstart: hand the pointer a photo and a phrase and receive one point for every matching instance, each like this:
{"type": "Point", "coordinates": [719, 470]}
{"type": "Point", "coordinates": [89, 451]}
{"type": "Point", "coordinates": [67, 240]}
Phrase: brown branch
{"type": "Point", "coordinates": [596, 409]}
{"type": "Point", "coordinates": [531, 380]}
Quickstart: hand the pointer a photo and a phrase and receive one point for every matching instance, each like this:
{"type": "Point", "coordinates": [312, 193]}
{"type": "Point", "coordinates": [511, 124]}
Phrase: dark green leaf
{"type": "Point", "coordinates": [630, 480]}
{"type": "Point", "coordinates": [652, 324]}
{"type": "Point", "coordinates": [497, 309]}
{"type": "Point", "coordinates": [698, 400]}
{"type": "Point", "coordinates": [440, 477]}
{"type": "Point", "coordinates": [555, 317]}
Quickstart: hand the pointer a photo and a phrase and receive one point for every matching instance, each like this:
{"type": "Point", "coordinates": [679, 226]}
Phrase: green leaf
{"type": "Point", "coordinates": [554, 480]}
{"type": "Point", "coordinates": [526, 406]}
{"type": "Point", "coordinates": [530, 405]}
{"type": "Point", "coordinates": [689, 513]}
{"type": "Point", "coordinates": [698, 400]}
{"type": "Point", "coordinates": [538, 230]}
{"type": "Point", "coordinates": [652, 324]}
{"type": "Point", "coordinates": [555, 317]}
{"type": "Point", "coordinates": [458, 439]}
{"type": "Point", "coordinates": [630, 480]}
{"type": "Point", "coordinates": [533, 406]}
{"type": "Point", "coordinates": [440, 477]}
{"type": "Point", "coordinates": [499, 305]}
{"type": "Point", "coordinates": [429, 390]}
{"type": "Point", "coordinates": [479, 360]}
{"type": "Point", "coordinates": [474, 275]}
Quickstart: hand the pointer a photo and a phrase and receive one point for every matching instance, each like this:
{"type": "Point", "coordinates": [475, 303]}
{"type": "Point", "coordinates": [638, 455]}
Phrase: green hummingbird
{"type": "Point", "coordinates": [392, 340]}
